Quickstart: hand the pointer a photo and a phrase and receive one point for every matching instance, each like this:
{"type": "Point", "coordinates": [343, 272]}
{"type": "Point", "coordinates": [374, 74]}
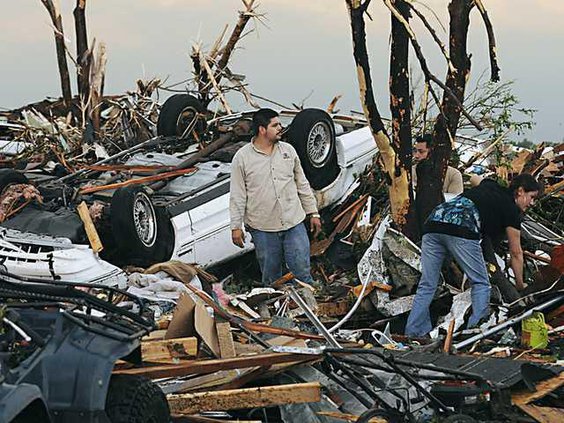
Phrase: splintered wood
{"type": "Point", "coordinates": [234, 399]}
{"type": "Point", "coordinates": [169, 350]}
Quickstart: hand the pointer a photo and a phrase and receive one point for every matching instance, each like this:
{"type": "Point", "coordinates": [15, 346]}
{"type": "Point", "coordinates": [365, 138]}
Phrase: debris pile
{"type": "Point", "coordinates": [333, 350]}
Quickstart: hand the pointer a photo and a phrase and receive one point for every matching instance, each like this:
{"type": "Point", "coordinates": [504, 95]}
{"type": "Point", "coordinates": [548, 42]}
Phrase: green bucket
{"type": "Point", "coordinates": [534, 333]}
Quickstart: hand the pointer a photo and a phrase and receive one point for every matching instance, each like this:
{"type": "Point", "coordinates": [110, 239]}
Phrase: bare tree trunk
{"type": "Point", "coordinates": [96, 82]}
{"type": "Point", "coordinates": [81, 49]}
{"type": "Point", "coordinates": [396, 174]}
{"type": "Point", "coordinates": [400, 106]}
{"type": "Point", "coordinates": [53, 8]}
{"type": "Point", "coordinates": [431, 175]}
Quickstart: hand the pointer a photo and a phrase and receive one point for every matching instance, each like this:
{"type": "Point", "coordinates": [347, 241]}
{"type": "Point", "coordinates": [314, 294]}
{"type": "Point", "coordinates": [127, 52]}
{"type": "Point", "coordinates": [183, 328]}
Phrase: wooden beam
{"type": "Point", "coordinates": [89, 227]}
{"type": "Point", "coordinates": [233, 399]}
{"type": "Point", "coordinates": [542, 388]}
{"type": "Point", "coordinates": [168, 350]}
{"type": "Point", "coordinates": [209, 366]}
{"type": "Point", "coordinates": [543, 414]}
{"type": "Point", "coordinates": [225, 339]}
{"type": "Point", "coordinates": [177, 418]}
{"type": "Point", "coordinates": [348, 417]}
{"type": "Point", "coordinates": [448, 339]}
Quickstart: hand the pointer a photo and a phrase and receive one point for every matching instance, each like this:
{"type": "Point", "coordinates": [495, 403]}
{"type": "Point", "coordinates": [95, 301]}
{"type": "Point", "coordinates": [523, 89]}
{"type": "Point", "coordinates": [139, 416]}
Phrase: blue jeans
{"type": "Point", "coordinates": [278, 250]}
{"type": "Point", "coordinates": [468, 254]}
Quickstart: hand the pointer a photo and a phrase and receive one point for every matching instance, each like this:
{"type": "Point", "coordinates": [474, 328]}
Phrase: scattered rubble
{"type": "Point", "coordinates": [328, 352]}
{"type": "Point", "coordinates": [136, 201]}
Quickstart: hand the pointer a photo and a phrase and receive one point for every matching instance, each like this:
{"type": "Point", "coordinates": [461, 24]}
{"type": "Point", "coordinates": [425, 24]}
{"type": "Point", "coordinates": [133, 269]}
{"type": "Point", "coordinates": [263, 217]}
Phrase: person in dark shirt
{"type": "Point", "coordinates": [456, 227]}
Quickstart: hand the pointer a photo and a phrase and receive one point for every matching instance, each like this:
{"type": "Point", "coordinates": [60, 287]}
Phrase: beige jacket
{"type": "Point", "coordinates": [452, 184]}
{"type": "Point", "coordinates": [269, 192]}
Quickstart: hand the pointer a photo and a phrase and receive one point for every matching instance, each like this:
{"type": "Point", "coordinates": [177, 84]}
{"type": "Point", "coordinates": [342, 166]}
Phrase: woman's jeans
{"type": "Point", "coordinates": [468, 254]}
{"type": "Point", "coordinates": [278, 250]}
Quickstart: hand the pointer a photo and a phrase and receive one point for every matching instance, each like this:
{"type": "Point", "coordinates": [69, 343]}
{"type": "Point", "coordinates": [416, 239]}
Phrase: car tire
{"type": "Point", "coordinates": [142, 232]}
{"type": "Point", "coordinates": [312, 133]}
{"type": "Point", "coordinates": [133, 398]}
{"type": "Point", "coordinates": [177, 113]}
{"type": "Point", "coordinates": [10, 177]}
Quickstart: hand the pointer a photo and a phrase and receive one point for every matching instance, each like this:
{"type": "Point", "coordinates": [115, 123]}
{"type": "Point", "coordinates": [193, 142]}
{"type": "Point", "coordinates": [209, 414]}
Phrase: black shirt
{"type": "Point", "coordinates": [496, 206]}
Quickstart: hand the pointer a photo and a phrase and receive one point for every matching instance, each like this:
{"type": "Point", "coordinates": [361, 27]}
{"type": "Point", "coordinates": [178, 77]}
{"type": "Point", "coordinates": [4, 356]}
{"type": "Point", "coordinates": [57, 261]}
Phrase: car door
{"type": "Point", "coordinates": [212, 232]}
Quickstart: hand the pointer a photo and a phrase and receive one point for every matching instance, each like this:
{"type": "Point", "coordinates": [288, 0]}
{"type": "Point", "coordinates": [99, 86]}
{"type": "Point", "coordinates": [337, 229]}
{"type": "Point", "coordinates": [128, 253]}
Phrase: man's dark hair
{"type": "Point", "coordinates": [525, 181]}
{"type": "Point", "coordinates": [262, 118]}
{"type": "Point", "coordinates": [426, 138]}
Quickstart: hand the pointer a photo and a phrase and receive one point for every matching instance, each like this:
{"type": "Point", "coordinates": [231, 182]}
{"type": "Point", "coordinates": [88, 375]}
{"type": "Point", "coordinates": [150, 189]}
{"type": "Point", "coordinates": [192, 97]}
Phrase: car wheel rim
{"type": "Point", "coordinates": [186, 121]}
{"type": "Point", "coordinates": [145, 220]}
{"type": "Point", "coordinates": [319, 144]}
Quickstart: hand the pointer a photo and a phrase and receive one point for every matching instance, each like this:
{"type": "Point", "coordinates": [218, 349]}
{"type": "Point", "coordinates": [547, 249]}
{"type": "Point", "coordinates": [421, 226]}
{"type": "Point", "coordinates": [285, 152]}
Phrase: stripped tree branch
{"type": "Point", "coordinates": [494, 67]}
{"type": "Point", "coordinates": [205, 65]}
{"type": "Point", "coordinates": [433, 33]}
{"type": "Point", "coordinates": [428, 74]}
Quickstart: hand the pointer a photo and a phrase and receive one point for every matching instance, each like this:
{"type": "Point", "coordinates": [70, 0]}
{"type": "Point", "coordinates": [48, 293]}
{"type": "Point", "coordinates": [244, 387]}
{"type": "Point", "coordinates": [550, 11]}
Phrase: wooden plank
{"type": "Point", "coordinates": [176, 418]}
{"type": "Point", "coordinates": [225, 339]}
{"type": "Point", "coordinates": [203, 382]}
{"type": "Point", "coordinates": [89, 227]}
{"type": "Point", "coordinates": [542, 388]}
{"type": "Point", "coordinates": [448, 339]}
{"type": "Point", "coordinates": [209, 366]}
{"type": "Point", "coordinates": [234, 399]}
{"type": "Point", "coordinates": [348, 417]}
{"type": "Point", "coordinates": [543, 414]}
{"type": "Point", "coordinates": [155, 335]}
{"type": "Point", "coordinates": [168, 350]}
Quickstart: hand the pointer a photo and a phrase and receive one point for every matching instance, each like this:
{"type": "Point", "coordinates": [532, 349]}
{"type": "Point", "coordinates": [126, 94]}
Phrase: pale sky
{"type": "Point", "coordinates": [304, 53]}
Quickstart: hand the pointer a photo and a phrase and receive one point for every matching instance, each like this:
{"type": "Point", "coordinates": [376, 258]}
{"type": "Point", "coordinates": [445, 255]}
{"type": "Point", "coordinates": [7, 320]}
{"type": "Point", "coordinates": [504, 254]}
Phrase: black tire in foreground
{"type": "Point", "coordinates": [179, 112]}
{"type": "Point", "coordinates": [136, 399]}
{"type": "Point", "coordinates": [10, 177]}
{"type": "Point", "coordinates": [312, 133]}
{"type": "Point", "coordinates": [143, 233]}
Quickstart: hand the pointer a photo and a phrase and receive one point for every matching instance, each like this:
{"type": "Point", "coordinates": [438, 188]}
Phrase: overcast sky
{"type": "Point", "coordinates": [303, 54]}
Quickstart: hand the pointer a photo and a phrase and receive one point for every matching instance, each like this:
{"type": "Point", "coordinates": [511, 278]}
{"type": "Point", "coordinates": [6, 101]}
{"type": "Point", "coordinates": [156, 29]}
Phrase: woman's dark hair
{"type": "Point", "coordinates": [262, 118]}
{"type": "Point", "coordinates": [525, 181]}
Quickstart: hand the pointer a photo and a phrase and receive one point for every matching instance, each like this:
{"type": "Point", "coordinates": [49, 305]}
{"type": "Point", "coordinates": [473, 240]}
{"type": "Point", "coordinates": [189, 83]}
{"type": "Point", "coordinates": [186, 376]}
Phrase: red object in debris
{"type": "Point", "coordinates": [557, 258]}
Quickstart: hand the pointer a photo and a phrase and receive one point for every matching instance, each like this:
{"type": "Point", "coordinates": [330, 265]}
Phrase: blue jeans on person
{"type": "Point", "coordinates": [468, 254]}
{"type": "Point", "coordinates": [277, 251]}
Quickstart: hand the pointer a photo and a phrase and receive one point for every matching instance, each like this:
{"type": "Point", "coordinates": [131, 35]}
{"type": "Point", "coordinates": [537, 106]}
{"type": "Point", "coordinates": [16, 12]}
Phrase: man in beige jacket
{"type": "Point", "coordinates": [270, 197]}
{"type": "Point", "coordinates": [453, 178]}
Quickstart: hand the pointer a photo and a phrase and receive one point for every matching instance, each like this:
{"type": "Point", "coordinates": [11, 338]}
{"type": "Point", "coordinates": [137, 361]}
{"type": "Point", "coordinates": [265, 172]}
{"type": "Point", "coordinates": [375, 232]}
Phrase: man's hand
{"type": "Point", "coordinates": [238, 237]}
{"type": "Point", "coordinates": [315, 226]}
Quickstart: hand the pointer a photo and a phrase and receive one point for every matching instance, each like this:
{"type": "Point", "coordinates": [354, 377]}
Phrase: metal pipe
{"type": "Point", "coordinates": [312, 317]}
{"type": "Point", "coordinates": [506, 324]}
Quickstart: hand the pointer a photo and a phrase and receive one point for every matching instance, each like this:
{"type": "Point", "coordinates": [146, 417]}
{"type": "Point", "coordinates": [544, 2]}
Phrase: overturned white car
{"type": "Point", "coordinates": [163, 199]}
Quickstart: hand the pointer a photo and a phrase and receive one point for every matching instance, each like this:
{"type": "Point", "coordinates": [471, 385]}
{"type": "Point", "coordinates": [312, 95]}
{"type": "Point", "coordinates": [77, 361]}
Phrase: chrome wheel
{"type": "Point", "coordinates": [144, 219]}
{"type": "Point", "coordinates": [319, 144]}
